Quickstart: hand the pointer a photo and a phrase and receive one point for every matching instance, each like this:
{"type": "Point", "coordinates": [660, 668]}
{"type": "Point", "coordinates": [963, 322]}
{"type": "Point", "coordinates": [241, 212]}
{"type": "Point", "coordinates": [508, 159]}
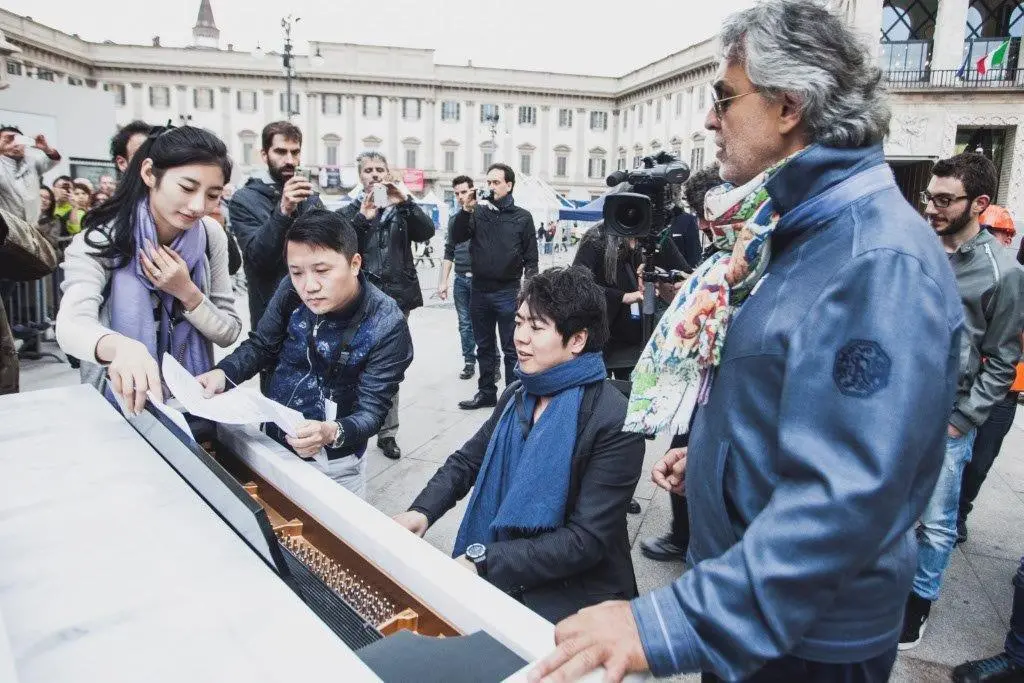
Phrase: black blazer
{"type": "Point", "coordinates": [587, 560]}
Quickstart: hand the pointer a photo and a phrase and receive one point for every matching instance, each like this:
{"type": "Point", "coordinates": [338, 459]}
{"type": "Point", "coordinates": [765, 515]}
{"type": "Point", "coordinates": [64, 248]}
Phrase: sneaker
{"type": "Point", "coordinates": [467, 371]}
{"type": "Point", "coordinates": [961, 532]}
{"type": "Point", "coordinates": [390, 447]}
{"type": "Point", "coordinates": [992, 670]}
{"type": "Point", "coordinates": [915, 620]}
{"type": "Point", "coordinates": [662, 549]}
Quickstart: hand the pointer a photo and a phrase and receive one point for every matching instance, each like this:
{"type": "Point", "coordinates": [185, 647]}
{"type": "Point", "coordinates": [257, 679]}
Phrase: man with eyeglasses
{"type": "Point", "coordinates": [991, 286]}
{"type": "Point", "coordinates": [816, 424]}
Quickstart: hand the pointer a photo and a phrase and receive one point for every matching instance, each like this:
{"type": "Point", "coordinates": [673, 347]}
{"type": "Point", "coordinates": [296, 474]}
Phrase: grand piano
{"type": "Point", "coordinates": [130, 552]}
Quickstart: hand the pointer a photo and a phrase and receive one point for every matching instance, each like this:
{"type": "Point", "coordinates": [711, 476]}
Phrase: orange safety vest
{"type": "Point", "coordinates": [1018, 382]}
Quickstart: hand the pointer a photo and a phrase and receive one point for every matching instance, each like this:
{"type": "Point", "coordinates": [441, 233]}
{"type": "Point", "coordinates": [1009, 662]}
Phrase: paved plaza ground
{"type": "Point", "coordinates": [969, 621]}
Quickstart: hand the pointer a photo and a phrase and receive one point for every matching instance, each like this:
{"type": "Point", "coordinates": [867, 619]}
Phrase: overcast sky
{"type": "Point", "coordinates": [599, 37]}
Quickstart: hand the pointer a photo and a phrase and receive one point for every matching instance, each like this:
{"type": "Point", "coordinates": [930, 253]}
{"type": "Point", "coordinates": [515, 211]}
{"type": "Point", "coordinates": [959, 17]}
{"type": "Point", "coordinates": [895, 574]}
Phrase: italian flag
{"type": "Point", "coordinates": [994, 59]}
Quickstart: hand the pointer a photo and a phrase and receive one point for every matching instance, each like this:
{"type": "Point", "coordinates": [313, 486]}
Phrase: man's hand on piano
{"type": "Point", "coordinates": [604, 635]}
{"type": "Point", "coordinates": [214, 382]}
{"type": "Point", "coordinates": [311, 436]}
{"type": "Point", "coordinates": [466, 564]}
{"type": "Point", "coordinates": [414, 521]}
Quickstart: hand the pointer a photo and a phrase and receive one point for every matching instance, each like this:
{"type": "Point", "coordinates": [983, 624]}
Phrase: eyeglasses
{"type": "Point", "coordinates": [722, 104]}
{"type": "Point", "coordinates": [941, 201]}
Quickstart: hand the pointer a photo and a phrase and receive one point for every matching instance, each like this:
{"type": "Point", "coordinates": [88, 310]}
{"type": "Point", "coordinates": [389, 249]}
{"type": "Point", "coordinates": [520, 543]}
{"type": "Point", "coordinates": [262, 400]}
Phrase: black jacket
{"type": "Point", "coordinates": [259, 226]}
{"type": "Point", "coordinates": [503, 245]}
{"type": "Point", "coordinates": [586, 561]}
{"type": "Point", "coordinates": [392, 267]}
{"type": "Point", "coordinates": [685, 233]}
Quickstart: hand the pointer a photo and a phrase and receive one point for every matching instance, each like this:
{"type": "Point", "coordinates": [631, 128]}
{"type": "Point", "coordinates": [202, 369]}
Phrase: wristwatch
{"type": "Point", "coordinates": [339, 440]}
{"type": "Point", "coordinates": [477, 554]}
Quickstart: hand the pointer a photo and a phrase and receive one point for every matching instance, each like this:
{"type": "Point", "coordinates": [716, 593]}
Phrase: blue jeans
{"type": "Point", "coordinates": [462, 290]}
{"type": "Point", "coordinates": [936, 533]}
{"type": "Point", "coordinates": [490, 309]}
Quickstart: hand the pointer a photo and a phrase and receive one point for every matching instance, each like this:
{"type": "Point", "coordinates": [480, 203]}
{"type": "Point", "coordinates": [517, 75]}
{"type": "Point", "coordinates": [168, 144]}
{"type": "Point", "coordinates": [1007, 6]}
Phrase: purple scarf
{"type": "Point", "coordinates": [131, 303]}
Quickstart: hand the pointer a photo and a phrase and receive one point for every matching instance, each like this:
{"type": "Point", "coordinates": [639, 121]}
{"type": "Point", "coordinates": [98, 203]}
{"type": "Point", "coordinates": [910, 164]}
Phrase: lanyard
{"type": "Point", "coordinates": [325, 375]}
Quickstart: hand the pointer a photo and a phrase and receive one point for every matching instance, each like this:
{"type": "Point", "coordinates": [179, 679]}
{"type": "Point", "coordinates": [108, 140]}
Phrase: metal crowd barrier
{"type": "Point", "coordinates": [32, 310]}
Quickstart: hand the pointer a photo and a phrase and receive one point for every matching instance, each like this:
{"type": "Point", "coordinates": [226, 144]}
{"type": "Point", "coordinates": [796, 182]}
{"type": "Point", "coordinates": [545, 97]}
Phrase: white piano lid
{"type": "Point", "coordinates": [112, 569]}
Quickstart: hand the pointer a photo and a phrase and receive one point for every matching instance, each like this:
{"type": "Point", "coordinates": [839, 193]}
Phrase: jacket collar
{"type": "Point", "coordinates": [817, 169]}
{"type": "Point", "coordinates": [981, 239]}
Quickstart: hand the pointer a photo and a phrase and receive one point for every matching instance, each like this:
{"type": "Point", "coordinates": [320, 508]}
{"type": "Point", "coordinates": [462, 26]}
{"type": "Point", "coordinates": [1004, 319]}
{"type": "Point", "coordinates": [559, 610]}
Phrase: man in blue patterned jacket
{"type": "Point", "coordinates": [338, 348]}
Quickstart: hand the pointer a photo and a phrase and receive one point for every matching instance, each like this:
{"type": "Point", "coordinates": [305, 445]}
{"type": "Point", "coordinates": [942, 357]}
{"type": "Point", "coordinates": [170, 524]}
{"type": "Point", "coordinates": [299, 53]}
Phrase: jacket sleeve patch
{"type": "Point", "coordinates": [862, 368]}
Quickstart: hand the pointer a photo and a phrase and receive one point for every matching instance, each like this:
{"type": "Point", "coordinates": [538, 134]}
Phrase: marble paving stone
{"type": "Point", "coordinates": [910, 669]}
{"type": "Point", "coordinates": [994, 526]}
{"type": "Point", "coordinates": [994, 575]}
{"type": "Point", "coordinates": [650, 574]}
{"type": "Point", "coordinates": [442, 432]}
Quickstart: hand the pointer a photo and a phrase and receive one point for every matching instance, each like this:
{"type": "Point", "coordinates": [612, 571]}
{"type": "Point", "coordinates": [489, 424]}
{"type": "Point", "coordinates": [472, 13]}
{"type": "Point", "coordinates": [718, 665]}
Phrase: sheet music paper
{"type": "Point", "coordinates": [242, 405]}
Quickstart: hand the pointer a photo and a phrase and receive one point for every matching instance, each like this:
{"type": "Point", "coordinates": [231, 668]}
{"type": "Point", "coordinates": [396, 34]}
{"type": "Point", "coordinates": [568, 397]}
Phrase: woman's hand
{"type": "Point", "coordinates": [311, 436]}
{"type": "Point", "coordinates": [169, 273]}
{"type": "Point", "coordinates": [132, 371]}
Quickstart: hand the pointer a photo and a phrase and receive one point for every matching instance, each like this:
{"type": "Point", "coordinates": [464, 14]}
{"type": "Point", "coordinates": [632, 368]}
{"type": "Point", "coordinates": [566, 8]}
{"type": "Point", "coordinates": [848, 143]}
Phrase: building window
{"type": "Point", "coordinates": [330, 105]}
{"type": "Point", "coordinates": [248, 139]}
{"type": "Point", "coordinates": [625, 118]}
{"type": "Point", "coordinates": [331, 143]}
{"type": "Point", "coordinates": [598, 120]}
{"type": "Point", "coordinates": [411, 110]}
{"type": "Point", "coordinates": [597, 167]}
{"type": "Point", "coordinates": [640, 115]}
{"type": "Point", "coordinates": [702, 98]}
{"type": "Point", "coordinates": [74, 80]}
{"type": "Point", "coordinates": [246, 101]}
{"type": "Point", "coordinates": [202, 99]}
{"type": "Point", "coordinates": [621, 166]}
{"type": "Point", "coordinates": [677, 150]}
{"type": "Point", "coordinates": [525, 160]}
{"type": "Point", "coordinates": [449, 161]}
{"type": "Point", "coordinates": [159, 96]}
{"type": "Point", "coordinates": [679, 104]}
{"type": "Point", "coordinates": [527, 116]}
{"type": "Point", "coordinates": [657, 111]}
{"type": "Point", "coordinates": [45, 75]}
{"type": "Point", "coordinates": [488, 160]}
{"type": "Point", "coordinates": [565, 118]}
{"type": "Point", "coordinates": [119, 93]}
{"type": "Point", "coordinates": [14, 68]}
{"type": "Point", "coordinates": [488, 113]}
{"type": "Point", "coordinates": [410, 158]}
{"type": "Point", "coordinates": [283, 103]}
{"type": "Point", "coordinates": [451, 110]}
{"type": "Point", "coordinates": [561, 165]}
{"type": "Point", "coordinates": [371, 107]}
{"type": "Point", "coordinates": [697, 156]}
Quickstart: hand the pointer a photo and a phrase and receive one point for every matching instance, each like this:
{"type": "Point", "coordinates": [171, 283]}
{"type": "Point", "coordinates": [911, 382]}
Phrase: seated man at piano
{"type": "Point", "coordinates": [338, 348]}
{"type": "Point", "coordinates": [552, 472]}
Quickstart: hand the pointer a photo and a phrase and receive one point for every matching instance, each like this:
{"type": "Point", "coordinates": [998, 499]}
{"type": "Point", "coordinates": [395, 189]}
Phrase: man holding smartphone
{"type": "Point", "coordinates": [23, 162]}
{"type": "Point", "coordinates": [265, 208]}
{"type": "Point", "coordinates": [387, 221]}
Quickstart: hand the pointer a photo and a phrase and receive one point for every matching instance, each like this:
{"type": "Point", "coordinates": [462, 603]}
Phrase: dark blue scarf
{"type": "Point", "coordinates": [523, 482]}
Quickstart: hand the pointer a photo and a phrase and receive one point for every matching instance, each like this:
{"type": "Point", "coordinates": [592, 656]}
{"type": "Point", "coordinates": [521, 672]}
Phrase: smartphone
{"type": "Point", "coordinates": [302, 172]}
{"type": "Point", "coordinates": [380, 195]}
{"type": "Point", "coordinates": [484, 195]}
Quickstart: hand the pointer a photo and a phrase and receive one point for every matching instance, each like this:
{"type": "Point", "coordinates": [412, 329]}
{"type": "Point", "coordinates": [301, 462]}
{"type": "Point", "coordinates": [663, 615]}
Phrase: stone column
{"type": "Point", "coordinates": [505, 132]}
{"type": "Point", "coordinates": [950, 29]}
{"type": "Point", "coordinates": [311, 148]}
{"type": "Point", "coordinates": [581, 145]}
{"type": "Point", "coordinates": [666, 116]}
{"type": "Point", "coordinates": [392, 141]}
{"type": "Point", "coordinates": [270, 112]}
{"type": "Point", "coordinates": [138, 111]}
{"type": "Point", "coordinates": [428, 162]}
{"type": "Point", "coordinates": [613, 153]}
{"type": "Point", "coordinates": [226, 134]}
{"type": "Point", "coordinates": [471, 149]}
{"type": "Point", "coordinates": [545, 142]}
{"type": "Point", "coordinates": [351, 112]}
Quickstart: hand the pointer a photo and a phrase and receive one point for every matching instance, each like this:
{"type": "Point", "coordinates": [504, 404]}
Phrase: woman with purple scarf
{"type": "Point", "coordinates": [149, 273]}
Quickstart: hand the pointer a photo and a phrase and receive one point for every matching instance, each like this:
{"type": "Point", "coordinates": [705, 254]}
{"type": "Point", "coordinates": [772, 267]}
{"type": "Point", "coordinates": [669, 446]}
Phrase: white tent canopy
{"type": "Point", "coordinates": [537, 197]}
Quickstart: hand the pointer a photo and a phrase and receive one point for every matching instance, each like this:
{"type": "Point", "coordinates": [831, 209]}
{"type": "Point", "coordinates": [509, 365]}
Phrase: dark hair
{"type": "Point", "coordinates": [326, 229]}
{"type": "Point", "coordinates": [286, 129]}
{"type": "Point", "coordinates": [611, 249]}
{"type": "Point", "coordinates": [119, 143]}
{"type": "Point", "coordinates": [62, 178]}
{"type": "Point", "coordinates": [459, 179]}
{"type": "Point", "coordinates": [10, 129]}
{"type": "Point", "coordinates": [699, 184]}
{"type": "Point", "coordinates": [53, 201]}
{"type": "Point", "coordinates": [167, 148]}
{"type": "Point", "coordinates": [572, 300]}
{"type": "Point", "coordinates": [510, 175]}
{"type": "Point", "coordinates": [975, 171]}
{"type": "Point", "coordinates": [94, 198]}
{"type": "Point", "coordinates": [370, 154]}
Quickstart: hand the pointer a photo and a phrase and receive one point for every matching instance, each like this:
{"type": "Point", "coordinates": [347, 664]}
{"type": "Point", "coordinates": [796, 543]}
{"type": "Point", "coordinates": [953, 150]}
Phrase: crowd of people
{"type": "Point", "coordinates": [821, 469]}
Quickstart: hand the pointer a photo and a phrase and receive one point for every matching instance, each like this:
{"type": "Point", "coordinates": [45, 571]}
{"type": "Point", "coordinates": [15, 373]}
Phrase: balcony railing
{"type": "Point", "coordinates": [926, 79]}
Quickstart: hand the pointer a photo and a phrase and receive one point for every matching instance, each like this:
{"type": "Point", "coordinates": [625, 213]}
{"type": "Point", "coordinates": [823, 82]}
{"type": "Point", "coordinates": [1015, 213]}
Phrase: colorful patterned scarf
{"type": "Point", "coordinates": [677, 365]}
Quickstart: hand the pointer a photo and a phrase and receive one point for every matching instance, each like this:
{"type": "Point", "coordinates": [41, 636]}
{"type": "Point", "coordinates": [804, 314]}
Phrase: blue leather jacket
{"type": "Point", "coordinates": [821, 440]}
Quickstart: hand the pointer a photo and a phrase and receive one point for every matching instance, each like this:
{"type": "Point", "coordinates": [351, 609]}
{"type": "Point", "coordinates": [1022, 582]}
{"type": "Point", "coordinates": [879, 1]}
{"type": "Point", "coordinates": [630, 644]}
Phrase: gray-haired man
{"type": "Point", "coordinates": [819, 434]}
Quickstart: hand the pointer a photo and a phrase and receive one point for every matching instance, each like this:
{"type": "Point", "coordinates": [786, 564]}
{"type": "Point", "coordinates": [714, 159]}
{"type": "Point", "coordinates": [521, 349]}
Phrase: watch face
{"type": "Point", "coordinates": [475, 551]}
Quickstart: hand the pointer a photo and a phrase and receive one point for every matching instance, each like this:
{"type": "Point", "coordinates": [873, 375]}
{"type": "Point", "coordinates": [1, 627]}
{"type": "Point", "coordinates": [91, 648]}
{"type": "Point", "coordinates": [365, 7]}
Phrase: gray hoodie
{"type": "Point", "coordinates": [991, 285]}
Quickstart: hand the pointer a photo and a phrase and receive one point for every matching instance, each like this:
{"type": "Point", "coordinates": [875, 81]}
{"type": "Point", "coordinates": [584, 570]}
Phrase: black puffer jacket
{"type": "Point", "coordinates": [259, 226]}
{"type": "Point", "coordinates": [388, 262]}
